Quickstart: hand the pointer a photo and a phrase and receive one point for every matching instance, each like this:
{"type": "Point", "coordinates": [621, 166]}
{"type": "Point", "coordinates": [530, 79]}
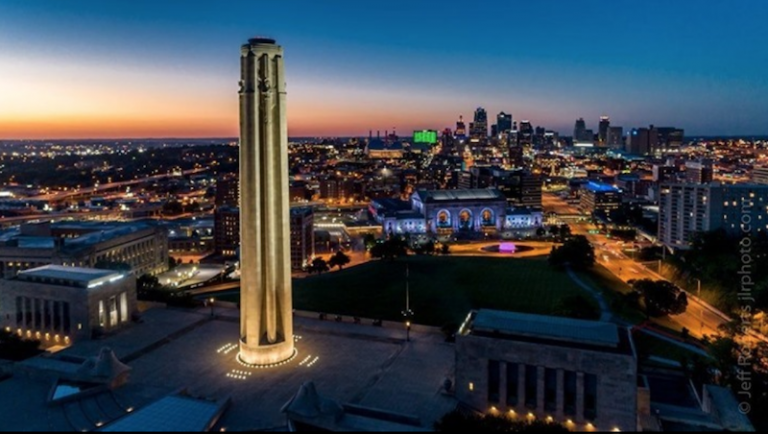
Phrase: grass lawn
{"type": "Point", "coordinates": [614, 290]}
{"type": "Point", "coordinates": [443, 289]}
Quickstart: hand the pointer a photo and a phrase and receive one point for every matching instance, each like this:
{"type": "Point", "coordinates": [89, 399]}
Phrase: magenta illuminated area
{"type": "Point", "coordinates": [507, 248]}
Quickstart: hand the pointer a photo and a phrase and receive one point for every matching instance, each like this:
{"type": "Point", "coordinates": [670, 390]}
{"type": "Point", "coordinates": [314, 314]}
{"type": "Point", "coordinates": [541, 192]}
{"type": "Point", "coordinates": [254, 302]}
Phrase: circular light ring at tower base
{"type": "Point", "coordinates": [274, 365]}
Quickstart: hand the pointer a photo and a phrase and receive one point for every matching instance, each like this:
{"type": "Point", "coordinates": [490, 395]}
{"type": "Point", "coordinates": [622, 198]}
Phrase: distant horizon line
{"type": "Point", "coordinates": [234, 138]}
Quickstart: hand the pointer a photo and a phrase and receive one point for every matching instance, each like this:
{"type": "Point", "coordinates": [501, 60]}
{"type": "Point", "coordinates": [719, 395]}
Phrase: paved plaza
{"type": "Point", "coordinates": [352, 364]}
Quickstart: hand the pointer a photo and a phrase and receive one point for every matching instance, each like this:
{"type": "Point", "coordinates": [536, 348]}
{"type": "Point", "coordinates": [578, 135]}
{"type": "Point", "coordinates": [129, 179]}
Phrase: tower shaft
{"type": "Point", "coordinates": [265, 285]}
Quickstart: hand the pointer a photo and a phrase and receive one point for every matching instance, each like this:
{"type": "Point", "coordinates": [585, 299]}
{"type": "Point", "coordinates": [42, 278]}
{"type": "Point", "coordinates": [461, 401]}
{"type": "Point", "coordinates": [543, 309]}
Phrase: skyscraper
{"type": "Point", "coordinates": [266, 322]}
{"type": "Point", "coordinates": [461, 128]}
{"type": "Point", "coordinates": [579, 130]}
{"type": "Point", "coordinates": [602, 134]}
{"type": "Point", "coordinates": [526, 133]}
{"type": "Point", "coordinates": [615, 134]}
{"type": "Point", "coordinates": [480, 126]}
{"type": "Point", "coordinates": [503, 123]}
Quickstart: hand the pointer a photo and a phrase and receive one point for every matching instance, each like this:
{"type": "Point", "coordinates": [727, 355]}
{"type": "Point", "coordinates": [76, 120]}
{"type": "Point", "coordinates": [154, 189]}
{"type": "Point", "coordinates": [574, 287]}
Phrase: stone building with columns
{"type": "Point", "coordinates": [582, 374]}
{"type": "Point", "coordinates": [445, 212]}
{"type": "Point", "coordinates": [60, 305]}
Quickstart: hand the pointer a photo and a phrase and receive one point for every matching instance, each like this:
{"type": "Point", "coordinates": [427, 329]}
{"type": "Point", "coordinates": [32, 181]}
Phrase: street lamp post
{"type": "Point", "coordinates": [701, 312]}
{"type": "Point", "coordinates": [211, 301]}
{"type": "Point", "coordinates": [407, 313]}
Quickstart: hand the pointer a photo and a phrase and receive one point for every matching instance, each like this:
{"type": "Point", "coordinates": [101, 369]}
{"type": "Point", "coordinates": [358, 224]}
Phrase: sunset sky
{"type": "Point", "coordinates": [152, 68]}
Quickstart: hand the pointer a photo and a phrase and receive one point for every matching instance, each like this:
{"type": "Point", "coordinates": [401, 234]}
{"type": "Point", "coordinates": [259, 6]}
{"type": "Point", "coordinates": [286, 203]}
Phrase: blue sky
{"type": "Point", "coordinates": [113, 67]}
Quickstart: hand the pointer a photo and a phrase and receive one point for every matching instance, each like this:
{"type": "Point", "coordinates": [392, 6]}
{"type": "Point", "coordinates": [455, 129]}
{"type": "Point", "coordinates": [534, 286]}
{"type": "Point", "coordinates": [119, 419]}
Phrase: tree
{"type": "Point", "coordinates": [576, 252]}
{"type": "Point", "coordinates": [173, 207]}
{"type": "Point", "coordinates": [14, 348]}
{"type": "Point", "coordinates": [661, 297]}
{"type": "Point", "coordinates": [429, 248]}
{"type": "Point", "coordinates": [445, 249]}
{"type": "Point", "coordinates": [461, 422]}
{"type": "Point", "coordinates": [147, 282]}
{"type": "Point", "coordinates": [540, 232]}
{"type": "Point", "coordinates": [319, 266]}
{"type": "Point", "coordinates": [340, 259]}
{"type": "Point", "coordinates": [369, 240]}
{"type": "Point", "coordinates": [390, 249]}
{"type": "Point", "coordinates": [565, 232]}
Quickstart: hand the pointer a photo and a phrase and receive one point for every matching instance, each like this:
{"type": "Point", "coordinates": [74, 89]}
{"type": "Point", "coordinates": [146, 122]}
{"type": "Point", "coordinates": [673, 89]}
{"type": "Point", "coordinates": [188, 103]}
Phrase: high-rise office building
{"type": "Point", "coordinates": [670, 138]}
{"type": "Point", "coordinates": [503, 123]}
{"type": "Point", "coordinates": [525, 133]}
{"type": "Point", "coordinates": [461, 128]}
{"type": "Point", "coordinates": [637, 142]}
{"type": "Point", "coordinates": [228, 190]}
{"type": "Point", "coordinates": [226, 224]}
{"type": "Point", "coordinates": [302, 237]}
{"type": "Point", "coordinates": [265, 266]}
{"type": "Point", "coordinates": [699, 172]}
{"type": "Point", "coordinates": [602, 132]}
{"type": "Point", "coordinates": [479, 129]}
{"type": "Point", "coordinates": [614, 138]}
{"type": "Point", "coordinates": [686, 209]}
{"type": "Point", "coordinates": [760, 175]}
{"type": "Point", "coordinates": [579, 131]}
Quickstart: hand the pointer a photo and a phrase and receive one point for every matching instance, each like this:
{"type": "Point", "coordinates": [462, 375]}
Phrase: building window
{"type": "Point", "coordinates": [513, 377]}
{"type": "Point", "coordinates": [57, 316]}
{"type": "Point", "coordinates": [47, 314]}
{"type": "Point", "coordinates": [28, 313]}
{"type": "Point", "coordinates": [570, 393]}
{"type": "Point", "coordinates": [65, 317]}
{"type": "Point", "coordinates": [494, 380]}
{"type": "Point", "coordinates": [590, 397]}
{"type": "Point", "coordinates": [102, 314]}
{"type": "Point", "coordinates": [124, 307]}
{"type": "Point", "coordinates": [38, 314]}
{"type": "Point", "coordinates": [550, 390]}
{"type": "Point", "coordinates": [113, 320]}
{"type": "Point", "coordinates": [19, 311]}
{"type": "Point", "coordinates": [531, 386]}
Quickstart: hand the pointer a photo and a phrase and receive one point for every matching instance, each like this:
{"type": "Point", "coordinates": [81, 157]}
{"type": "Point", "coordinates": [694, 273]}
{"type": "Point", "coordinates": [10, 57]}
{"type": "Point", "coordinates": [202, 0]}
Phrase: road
{"type": "Point", "coordinates": [700, 319]}
{"type": "Point", "coordinates": [62, 195]}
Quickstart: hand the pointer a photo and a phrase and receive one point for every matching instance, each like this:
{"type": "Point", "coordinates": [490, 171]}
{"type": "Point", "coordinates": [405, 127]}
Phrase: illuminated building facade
{"type": "Point", "coordinates": [266, 335]}
{"type": "Point", "coordinates": [602, 130]}
{"type": "Point", "coordinates": [687, 209]}
{"type": "Point", "coordinates": [141, 246]}
{"type": "Point", "coordinates": [582, 374]}
{"type": "Point", "coordinates": [760, 175]}
{"type": "Point", "coordinates": [302, 237]}
{"type": "Point", "coordinates": [58, 305]}
{"type": "Point", "coordinates": [596, 196]}
{"type": "Point", "coordinates": [227, 230]}
{"type": "Point", "coordinates": [479, 128]}
{"type": "Point", "coordinates": [444, 212]}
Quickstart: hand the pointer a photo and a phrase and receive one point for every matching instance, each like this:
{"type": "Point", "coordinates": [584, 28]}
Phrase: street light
{"type": "Point", "coordinates": [211, 301]}
{"type": "Point", "coordinates": [407, 313]}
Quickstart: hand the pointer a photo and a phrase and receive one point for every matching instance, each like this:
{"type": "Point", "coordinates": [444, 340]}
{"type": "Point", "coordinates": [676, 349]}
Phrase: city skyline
{"type": "Point", "coordinates": [116, 67]}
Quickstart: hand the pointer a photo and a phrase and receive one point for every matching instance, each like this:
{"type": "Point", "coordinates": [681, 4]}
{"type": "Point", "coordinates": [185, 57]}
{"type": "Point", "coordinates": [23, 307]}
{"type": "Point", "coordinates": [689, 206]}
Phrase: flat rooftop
{"type": "Point", "coordinates": [593, 333]}
{"type": "Point", "coordinates": [428, 196]}
{"type": "Point", "coordinates": [87, 277]}
{"type": "Point", "coordinates": [599, 187]}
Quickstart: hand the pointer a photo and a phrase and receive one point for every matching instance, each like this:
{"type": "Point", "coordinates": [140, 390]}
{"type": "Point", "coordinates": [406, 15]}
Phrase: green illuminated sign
{"type": "Point", "coordinates": [425, 136]}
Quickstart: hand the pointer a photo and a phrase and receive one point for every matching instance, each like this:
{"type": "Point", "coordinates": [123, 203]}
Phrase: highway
{"type": "Point", "coordinates": [63, 195]}
{"type": "Point", "coordinates": [700, 318]}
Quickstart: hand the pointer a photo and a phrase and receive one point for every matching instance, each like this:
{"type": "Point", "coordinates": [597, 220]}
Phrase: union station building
{"type": "Point", "coordinates": [445, 212]}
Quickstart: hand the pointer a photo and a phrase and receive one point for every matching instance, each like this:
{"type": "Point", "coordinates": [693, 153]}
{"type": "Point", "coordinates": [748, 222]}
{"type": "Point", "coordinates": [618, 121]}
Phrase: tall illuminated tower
{"type": "Point", "coordinates": [266, 324]}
